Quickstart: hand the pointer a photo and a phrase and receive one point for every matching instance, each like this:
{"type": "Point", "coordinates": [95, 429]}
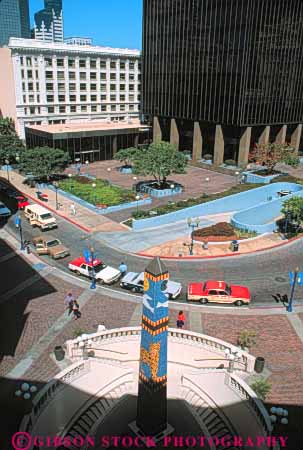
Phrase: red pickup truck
{"type": "Point", "coordinates": [218, 292]}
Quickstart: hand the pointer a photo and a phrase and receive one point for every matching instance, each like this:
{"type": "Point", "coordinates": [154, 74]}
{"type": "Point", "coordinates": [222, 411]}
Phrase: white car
{"type": "Point", "coordinates": [103, 273]}
{"type": "Point", "coordinates": [133, 281]}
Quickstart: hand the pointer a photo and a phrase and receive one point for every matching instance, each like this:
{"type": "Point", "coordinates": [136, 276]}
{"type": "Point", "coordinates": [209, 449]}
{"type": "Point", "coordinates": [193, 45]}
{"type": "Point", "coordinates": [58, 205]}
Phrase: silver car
{"type": "Point", "coordinates": [133, 281]}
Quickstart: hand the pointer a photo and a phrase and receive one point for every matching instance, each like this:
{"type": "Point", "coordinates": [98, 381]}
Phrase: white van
{"type": "Point", "coordinates": [40, 217]}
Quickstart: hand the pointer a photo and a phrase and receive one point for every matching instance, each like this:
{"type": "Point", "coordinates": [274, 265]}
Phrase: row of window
{"type": "Point", "coordinates": [49, 75]}
{"type": "Point", "coordinates": [62, 98]}
{"type": "Point", "coordinates": [91, 87]}
{"type": "Point", "coordinates": [84, 63]}
{"type": "Point", "coordinates": [34, 110]}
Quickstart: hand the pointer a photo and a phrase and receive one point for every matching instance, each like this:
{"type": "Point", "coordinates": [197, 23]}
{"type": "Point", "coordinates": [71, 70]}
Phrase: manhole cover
{"type": "Point", "coordinates": [280, 279]}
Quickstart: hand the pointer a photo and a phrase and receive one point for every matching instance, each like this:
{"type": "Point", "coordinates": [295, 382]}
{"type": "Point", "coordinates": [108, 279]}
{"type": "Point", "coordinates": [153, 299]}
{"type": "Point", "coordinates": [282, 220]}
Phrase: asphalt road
{"type": "Point", "coordinates": [265, 273]}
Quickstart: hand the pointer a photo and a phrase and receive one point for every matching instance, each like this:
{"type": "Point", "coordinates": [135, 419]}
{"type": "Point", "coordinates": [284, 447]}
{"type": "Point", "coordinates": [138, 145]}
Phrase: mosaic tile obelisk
{"type": "Point", "coordinates": [152, 396]}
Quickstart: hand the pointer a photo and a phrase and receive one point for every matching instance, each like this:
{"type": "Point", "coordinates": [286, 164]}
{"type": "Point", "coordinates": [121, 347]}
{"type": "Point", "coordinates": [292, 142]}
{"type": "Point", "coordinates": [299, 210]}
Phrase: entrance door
{"type": "Point", "coordinates": [87, 156]}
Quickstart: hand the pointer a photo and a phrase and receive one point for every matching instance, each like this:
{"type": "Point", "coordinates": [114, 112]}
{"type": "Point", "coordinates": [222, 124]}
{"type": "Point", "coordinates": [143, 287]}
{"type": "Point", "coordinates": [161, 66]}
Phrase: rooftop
{"type": "Point", "coordinates": [20, 43]}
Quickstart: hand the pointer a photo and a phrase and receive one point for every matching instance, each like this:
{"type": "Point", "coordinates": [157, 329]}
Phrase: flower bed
{"type": "Point", "coordinates": [220, 232]}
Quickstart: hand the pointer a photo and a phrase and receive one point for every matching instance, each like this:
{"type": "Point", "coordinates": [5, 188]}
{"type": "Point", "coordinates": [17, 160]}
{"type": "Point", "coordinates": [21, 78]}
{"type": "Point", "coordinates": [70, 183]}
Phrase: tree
{"type": "Point", "coordinates": [159, 160]}
{"type": "Point", "coordinates": [270, 154]}
{"type": "Point", "coordinates": [292, 209]}
{"type": "Point", "coordinates": [7, 126]}
{"type": "Point", "coordinates": [126, 156]}
{"type": "Point", "coordinates": [42, 162]}
{"type": "Point", "coordinates": [261, 387]}
{"type": "Point", "coordinates": [10, 143]}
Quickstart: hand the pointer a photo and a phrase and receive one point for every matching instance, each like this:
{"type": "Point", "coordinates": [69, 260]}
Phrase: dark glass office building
{"type": "Point", "coordinates": [14, 20]}
{"type": "Point", "coordinates": [220, 75]}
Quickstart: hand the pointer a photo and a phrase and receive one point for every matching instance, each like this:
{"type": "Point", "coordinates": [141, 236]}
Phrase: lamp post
{"type": "Point", "coordinates": [138, 198]}
{"type": "Point", "coordinates": [56, 186]}
{"type": "Point", "coordinates": [92, 256]}
{"type": "Point", "coordinates": [109, 171]}
{"type": "Point", "coordinates": [18, 224]}
{"type": "Point", "coordinates": [237, 176]}
{"type": "Point", "coordinates": [135, 184]}
{"type": "Point", "coordinates": [296, 273]}
{"type": "Point", "coordinates": [70, 176]}
{"type": "Point", "coordinates": [7, 171]}
{"type": "Point", "coordinates": [87, 164]}
{"type": "Point", "coordinates": [192, 224]}
{"type": "Point", "coordinates": [94, 192]}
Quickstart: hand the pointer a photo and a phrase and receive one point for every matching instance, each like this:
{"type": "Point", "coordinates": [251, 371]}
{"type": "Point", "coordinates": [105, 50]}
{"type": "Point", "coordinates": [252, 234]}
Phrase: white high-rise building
{"type": "Point", "coordinates": [50, 83]}
{"type": "Point", "coordinates": [49, 22]}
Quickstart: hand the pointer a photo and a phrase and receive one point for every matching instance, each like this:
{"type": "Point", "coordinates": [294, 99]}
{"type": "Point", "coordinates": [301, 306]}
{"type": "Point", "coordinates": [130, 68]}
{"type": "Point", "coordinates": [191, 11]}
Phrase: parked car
{"type": "Point", "coordinates": [218, 292]}
{"type": "Point", "coordinates": [133, 281]}
{"type": "Point", "coordinates": [50, 246]}
{"type": "Point", "coordinates": [22, 201]}
{"type": "Point", "coordinates": [4, 211]}
{"type": "Point", "coordinates": [40, 217]}
{"type": "Point", "coordinates": [103, 273]}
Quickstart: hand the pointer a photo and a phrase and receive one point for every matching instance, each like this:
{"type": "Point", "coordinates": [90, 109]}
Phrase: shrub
{"type": "Point", "coordinates": [219, 229]}
{"type": "Point", "coordinates": [207, 156]}
{"type": "Point", "coordinates": [139, 214]}
{"type": "Point", "coordinates": [230, 162]}
{"type": "Point", "coordinates": [78, 332]}
{"type": "Point", "coordinates": [247, 338]}
{"type": "Point", "coordinates": [261, 387]}
{"type": "Point", "coordinates": [292, 160]}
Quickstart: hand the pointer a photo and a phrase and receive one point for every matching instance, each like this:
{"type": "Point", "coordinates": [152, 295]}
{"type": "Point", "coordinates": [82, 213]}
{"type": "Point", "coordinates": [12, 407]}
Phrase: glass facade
{"type": "Point", "coordinates": [14, 20]}
{"type": "Point", "coordinates": [231, 62]}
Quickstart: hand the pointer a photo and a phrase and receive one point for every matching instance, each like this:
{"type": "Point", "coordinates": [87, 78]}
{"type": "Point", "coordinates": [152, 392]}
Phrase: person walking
{"type": "Point", "coordinates": [73, 209]}
{"type": "Point", "coordinates": [76, 310]}
{"type": "Point", "coordinates": [68, 302]}
{"type": "Point", "coordinates": [180, 320]}
{"type": "Point", "coordinates": [123, 268]}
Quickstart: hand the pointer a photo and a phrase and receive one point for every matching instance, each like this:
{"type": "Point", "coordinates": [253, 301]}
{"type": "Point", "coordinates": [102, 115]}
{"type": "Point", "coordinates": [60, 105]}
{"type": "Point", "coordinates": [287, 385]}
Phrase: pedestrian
{"type": "Point", "coordinates": [76, 310]}
{"type": "Point", "coordinates": [123, 268]}
{"type": "Point", "coordinates": [73, 209]}
{"type": "Point", "coordinates": [68, 302]}
{"type": "Point", "coordinates": [180, 320]}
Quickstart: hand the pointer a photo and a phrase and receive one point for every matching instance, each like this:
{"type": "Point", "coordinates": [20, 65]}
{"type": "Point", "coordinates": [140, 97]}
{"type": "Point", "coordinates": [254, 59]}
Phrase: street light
{"type": "Point", "coordinates": [237, 176]}
{"type": "Point", "coordinates": [18, 224]}
{"type": "Point", "coordinates": [192, 224]}
{"type": "Point", "coordinates": [70, 176]}
{"type": "Point", "coordinates": [138, 198]}
{"type": "Point", "coordinates": [7, 171]}
{"type": "Point", "coordinates": [109, 171]}
{"type": "Point", "coordinates": [87, 163]}
{"type": "Point", "coordinates": [296, 273]}
{"type": "Point", "coordinates": [56, 186]}
{"type": "Point", "coordinates": [93, 273]}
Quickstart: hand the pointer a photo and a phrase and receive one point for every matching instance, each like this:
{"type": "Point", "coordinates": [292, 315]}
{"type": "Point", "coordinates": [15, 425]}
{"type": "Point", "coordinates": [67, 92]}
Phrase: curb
{"type": "Point", "coordinates": [225, 255]}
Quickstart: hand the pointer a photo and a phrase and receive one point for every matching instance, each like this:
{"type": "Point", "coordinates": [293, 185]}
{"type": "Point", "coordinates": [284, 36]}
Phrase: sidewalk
{"type": "Point", "coordinates": [85, 219]}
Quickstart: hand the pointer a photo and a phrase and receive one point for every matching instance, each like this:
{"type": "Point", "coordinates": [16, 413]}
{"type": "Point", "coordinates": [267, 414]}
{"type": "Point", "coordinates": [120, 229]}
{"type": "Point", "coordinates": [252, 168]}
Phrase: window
{"type": "Point", "coordinates": [60, 62]}
{"type": "Point", "coordinates": [212, 292]}
{"type": "Point", "coordinates": [131, 87]}
{"type": "Point", "coordinates": [28, 61]}
{"type": "Point", "coordinates": [122, 65]}
{"type": "Point", "coordinates": [30, 86]}
{"type": "Point", "coordinates": [93, 75]}
{"type": "Point", "coordinates": [103, 87]}
{"type": "Point", "coordinates": [139, 98]}
{"type": "Point", "coordinates": [82, 63]}
{"type": "Point", "coordinates": [49, 98]}
{"type": "Point", "coordinates": [93, 87]}
{"type": "Point", "coordinates": [103, 76]}
{"type": "Point", "coordinates": [82, 75]}
{"type": "Point", "coordinates": [113, 64]}
{"type": "Point", "coordinates": [93, 98]}
{"type": "Point", "coordinates": [32, 110]}
{"type": "Point", "coordinates": [72, 75]}
{"type": "Point", "coordinates": [29, 74]}
{"type": "Point", "coordinates": [113, 107]}
{"type": "Point", "coordinates": [49, 75]}
{"type": "Point", "coordinates": [25, 111]}
{"type": "Point", "coordinates": [131, 77]}
{"type": "Point", "coordinates": [38, 112]}
{"type": "Point", "coordinates": [21, 60]}
{"type": "Point", "coordinates": [122, 87]}
{"type": "Point", "coordinates": [103, 64]}
{"type": "Point", "coordinates": [48, 62]}
{"type": "Point", "coordinates": [93, 63]}
{"type": "Point", "coordinates": [131, 66]}
{"type": "Point", "coordinates": [103, 97]}
{"type": "Point", "coordinates": [37, 86]}
{"type": "Point", "coordinates": [73, 108]}
{"type": "Point", "coordinates": [83, 108]}
{"type": "Point", "coordinates": [122, 107]}
{"type": "Point", "coordinates": [37, 74]}
{"type": "Point", "coordinates": [24, 98]}
{"type": "Point", "coordinates": [62, 109]}
{"type": "Point", "coordinates": [23, 86]}
{"type": "Point", "coordinates": [131, 98]}
{"type": "Point", "coordinates": [61, 87]}
{"type": "Point", "coordinates": [72, 98]}
{"type": "Point", "coordinates": [38, 98]}
{"type": "Point", "coordinates": [82, 98]}
{"type": "Point", "coordinates": [71, 63]}
{"type": "Point", "coordinates": [131, 107]}
{"type": "Point", "coordinates": [82, 87]}
{"type": "Point", "coordinates": [122, 98]}
{"type": "Point", "coordinates": [113, 87]}
{"type": "Point", "coordinates": [94, 108]}
{"type": "Point", "coordinates": [60, 75]}
{"type": "Point", "coordinates": [112, 76]}
{"type": "Point", "coordinates": [103, 107]}
{"type": "Point", "coordinates": [31, 98]}
{"type": "Point", "coordinates": [122, 76]}
{"type": "Point", "coordinates": [61, 98]}
{"type": "Point", "coordinates": [22, 73]}
{"type": "Point", "coordinates": [112, 98]}
{"type": "Point", "coordinates": [50, 109]}
{"type": "Point", "coordinates": [72, 86]}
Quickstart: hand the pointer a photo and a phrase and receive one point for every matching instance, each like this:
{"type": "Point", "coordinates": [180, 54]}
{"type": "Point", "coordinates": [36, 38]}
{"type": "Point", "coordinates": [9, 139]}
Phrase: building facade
{"type": "Point", "coordinates": [61, 83]}
{"type": "Point", "coordinates": [14, 20]}
{"type": "Point", "coordinates": [221, 76]}
{"type": "Point", "coordinates": [49, 22]}
{"type": "Point", "coordinates": [78, 41]}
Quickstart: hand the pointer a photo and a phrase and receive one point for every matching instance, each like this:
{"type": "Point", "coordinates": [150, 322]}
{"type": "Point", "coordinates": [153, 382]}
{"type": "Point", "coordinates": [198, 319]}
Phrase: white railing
{"type": "Point", "coordinates": [50, 390]}
{"type": "Point", "coordinates": [74, 349]}
{"type": "Point", "coordinates": [250, 398]}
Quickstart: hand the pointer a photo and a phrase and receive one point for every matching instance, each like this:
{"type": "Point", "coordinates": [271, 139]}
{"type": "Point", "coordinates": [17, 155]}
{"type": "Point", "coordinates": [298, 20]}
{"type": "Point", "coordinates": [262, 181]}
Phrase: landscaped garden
{"type": "Point", "coordinates": [221, 232]}
{"type": "Point", "coordinates": [96, 192]}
